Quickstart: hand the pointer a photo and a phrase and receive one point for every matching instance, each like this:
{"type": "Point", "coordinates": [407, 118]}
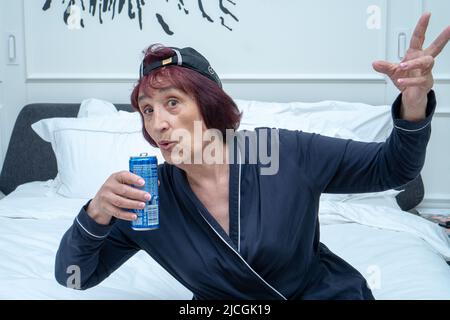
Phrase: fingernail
{"type": "Point", "coordinates": [400, 80]}
{"type": "Point", "coordinates": [142, 205]}
{"type": "Point", "coordinates": [134, 217]}
{"type": "Point", "coordinates": [141, 182]}
{"type": "Point", "coordinates": [147, 196]}
{"type": "Point", "coordinates": [403, 65]}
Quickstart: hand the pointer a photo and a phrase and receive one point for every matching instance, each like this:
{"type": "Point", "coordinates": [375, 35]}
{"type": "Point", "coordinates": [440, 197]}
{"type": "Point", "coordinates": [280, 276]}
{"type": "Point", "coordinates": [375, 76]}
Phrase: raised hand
{"type": "Point", "coordinates": [413, 75]}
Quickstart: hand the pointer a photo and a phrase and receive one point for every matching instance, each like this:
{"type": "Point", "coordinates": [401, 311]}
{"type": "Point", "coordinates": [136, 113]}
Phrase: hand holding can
{"type": "Point", "coordinates": [147, 168]}
{"type": "Point", "coordinates": [115, 195]}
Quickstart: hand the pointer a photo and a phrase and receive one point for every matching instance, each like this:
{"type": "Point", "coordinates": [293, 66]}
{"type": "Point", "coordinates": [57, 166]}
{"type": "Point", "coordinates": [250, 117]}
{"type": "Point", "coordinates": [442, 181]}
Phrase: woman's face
{"type": "Point", "coordinates": [173, 120]}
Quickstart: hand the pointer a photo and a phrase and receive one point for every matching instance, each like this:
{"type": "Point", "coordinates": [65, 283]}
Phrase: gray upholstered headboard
{"type": "Point", "coordinates": [29, 158]}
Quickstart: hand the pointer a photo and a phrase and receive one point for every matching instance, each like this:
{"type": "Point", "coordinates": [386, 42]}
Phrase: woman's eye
{"type": "Point", "coordinates": [172, 102]}
{"type": "Point", "coordinates": [148, 110]}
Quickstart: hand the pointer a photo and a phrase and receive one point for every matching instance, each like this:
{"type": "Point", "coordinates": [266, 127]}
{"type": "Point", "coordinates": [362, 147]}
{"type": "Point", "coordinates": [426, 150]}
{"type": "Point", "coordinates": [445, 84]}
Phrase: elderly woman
{"type": "Point", "coordinates": [228, 231]}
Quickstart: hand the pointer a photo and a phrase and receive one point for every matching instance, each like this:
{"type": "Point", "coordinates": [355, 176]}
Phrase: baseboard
{"type": "Point", "coordinates": [436, 201]}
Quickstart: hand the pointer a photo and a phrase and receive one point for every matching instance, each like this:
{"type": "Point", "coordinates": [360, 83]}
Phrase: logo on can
{"type": "Point", "coordinates": [147, 168]}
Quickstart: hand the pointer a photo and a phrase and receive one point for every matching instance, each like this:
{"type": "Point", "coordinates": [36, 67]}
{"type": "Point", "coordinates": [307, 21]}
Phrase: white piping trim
{"type": "Point", "coordinates": [239, 231]}
{"type": "Point", "coordinates": [95, 236]}
{"type": "Point", "coordinates": [241, 257]}
{"type": "Point", "coordinates": [180, 60]}
{"type": "Point", "coordinates": [141, 69]}
{"type": "Point", "coordinates": [412, 130]}
{"type": "Point", "coordinates": [239, 204]}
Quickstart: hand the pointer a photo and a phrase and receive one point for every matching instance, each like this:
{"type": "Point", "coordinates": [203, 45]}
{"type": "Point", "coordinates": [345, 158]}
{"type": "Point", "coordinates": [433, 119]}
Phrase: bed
{"type": "Point", "coordinates": [401, 255]}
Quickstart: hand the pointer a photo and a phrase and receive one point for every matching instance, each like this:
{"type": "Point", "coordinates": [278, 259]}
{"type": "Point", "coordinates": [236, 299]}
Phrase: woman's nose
{"type": "Point", "coordinates": [160, 122]}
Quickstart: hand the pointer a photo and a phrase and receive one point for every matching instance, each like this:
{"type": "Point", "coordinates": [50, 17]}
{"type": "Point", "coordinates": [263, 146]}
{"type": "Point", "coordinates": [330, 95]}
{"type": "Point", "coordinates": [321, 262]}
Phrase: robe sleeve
{"type": "Point", "coordinates": [89, 252]}
{"type": "Point", "coordinates": [338, 165]}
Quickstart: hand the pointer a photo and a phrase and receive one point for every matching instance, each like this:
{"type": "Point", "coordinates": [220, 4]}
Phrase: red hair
{"type": "Point", "coordinates": [216, 107]}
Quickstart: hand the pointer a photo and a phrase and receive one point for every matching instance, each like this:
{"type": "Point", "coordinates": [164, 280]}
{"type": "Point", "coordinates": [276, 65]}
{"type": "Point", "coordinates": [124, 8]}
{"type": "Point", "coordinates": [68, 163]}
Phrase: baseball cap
{"type": "Point", "coordinates": [184, 57]}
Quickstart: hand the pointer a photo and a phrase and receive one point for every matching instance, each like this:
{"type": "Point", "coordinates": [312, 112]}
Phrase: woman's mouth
{"type": "Point", "coordinates": [166, 145]}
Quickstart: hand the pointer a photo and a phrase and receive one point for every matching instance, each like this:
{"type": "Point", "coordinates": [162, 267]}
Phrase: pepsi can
{"type": "Point", "coordinates": [147, 168]}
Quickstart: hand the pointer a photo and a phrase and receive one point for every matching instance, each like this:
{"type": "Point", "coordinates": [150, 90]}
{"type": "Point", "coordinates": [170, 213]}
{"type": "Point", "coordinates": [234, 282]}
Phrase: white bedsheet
{"type": "Point", "coordinates": [397, 265]}
{"type": "Point", "coordinates": [27, 255]}
{"type": "Point", "coordinates": [401, 256]}
{"type": "Point", "coordinates": [33, 220]}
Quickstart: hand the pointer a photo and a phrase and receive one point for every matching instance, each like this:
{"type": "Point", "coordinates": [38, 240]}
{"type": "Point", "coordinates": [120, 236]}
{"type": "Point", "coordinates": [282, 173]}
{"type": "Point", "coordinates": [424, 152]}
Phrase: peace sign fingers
{"type": "Point", "coordinates": [418, 36]}
{"type": "Point", "coordinates": [439, 43]}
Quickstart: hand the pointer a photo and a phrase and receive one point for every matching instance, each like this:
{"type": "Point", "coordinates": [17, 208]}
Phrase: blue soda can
{"type": "Point", "coordinates": [147, 168]}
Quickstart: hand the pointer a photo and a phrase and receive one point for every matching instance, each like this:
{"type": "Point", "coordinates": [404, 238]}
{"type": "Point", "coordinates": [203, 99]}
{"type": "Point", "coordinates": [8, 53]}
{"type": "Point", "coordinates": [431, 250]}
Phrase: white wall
{"type": "Point", "coordinates": [437, 166]}
{"type": "Point", "coordinates": [280, 50]}
{"type": "Point", "coordinates": [2, 75]}
{"type": "Point", "coordinates": [14, 89]}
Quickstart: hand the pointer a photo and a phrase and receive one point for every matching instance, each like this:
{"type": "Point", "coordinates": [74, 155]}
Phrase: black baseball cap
{"type": "Point", "coordinates": [184, 57]}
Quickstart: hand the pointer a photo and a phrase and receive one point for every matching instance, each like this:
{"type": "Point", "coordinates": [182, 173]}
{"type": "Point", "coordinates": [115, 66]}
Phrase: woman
{"type": "Point", "coordinates": [227, 231]}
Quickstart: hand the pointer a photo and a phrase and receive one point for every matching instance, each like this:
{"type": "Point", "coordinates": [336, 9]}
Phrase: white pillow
{"type": "Point", "coordinates": [339, 119]}
{"type": "Point", "coordinates": [90, 108]}
{"type": "Point", "coordinates": [96, 108]}
{"type": "Point", "coordinates": [89, 150]}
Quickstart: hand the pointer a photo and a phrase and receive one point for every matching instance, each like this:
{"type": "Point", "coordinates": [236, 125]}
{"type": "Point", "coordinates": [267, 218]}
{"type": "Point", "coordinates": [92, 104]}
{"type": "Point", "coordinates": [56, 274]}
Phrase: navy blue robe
{"type": "Point", "coordinates": [273, 249]}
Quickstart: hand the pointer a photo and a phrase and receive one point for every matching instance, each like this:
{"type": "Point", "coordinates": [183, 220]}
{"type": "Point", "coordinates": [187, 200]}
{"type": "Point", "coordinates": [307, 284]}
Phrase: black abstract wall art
{"type": "Point", "coordinates": [74, 9]}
